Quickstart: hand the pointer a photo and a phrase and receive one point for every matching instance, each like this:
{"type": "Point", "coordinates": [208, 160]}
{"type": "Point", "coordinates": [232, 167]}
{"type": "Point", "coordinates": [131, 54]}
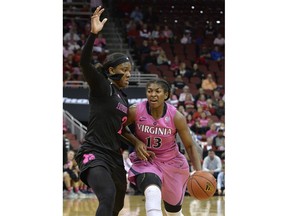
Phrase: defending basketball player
{"type": "Point", "coordinates": [163, 175]}
{"type": "Point", "coordinates": [99, 157]}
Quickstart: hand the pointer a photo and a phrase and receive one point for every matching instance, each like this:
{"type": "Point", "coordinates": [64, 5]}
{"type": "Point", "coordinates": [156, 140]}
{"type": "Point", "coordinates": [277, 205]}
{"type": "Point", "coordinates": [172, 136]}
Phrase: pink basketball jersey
{"type": "Point", "coordinates": [158, 135]}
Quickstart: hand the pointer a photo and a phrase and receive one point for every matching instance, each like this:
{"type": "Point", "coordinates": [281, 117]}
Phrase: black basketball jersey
{"type": "Point", "coordinates": [107, 116]}
{"type": "Point", "coordinates": [108, 107]}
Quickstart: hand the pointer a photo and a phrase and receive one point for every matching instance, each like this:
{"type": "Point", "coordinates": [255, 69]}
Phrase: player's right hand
{"type": "Point", "coordinates": [141, 151]}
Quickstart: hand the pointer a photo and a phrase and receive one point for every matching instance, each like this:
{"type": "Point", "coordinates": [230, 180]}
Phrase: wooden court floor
{"type": "Point", "coordinates": [135, 206]}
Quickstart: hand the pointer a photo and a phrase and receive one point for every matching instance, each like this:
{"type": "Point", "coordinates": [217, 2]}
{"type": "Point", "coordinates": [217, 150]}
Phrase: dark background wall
{"type": "Point", "coordinates": [76, 101]}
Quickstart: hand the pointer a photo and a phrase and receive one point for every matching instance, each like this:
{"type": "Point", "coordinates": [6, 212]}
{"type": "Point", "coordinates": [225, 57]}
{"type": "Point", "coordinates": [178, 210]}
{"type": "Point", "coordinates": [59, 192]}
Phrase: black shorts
{"type": "Point", "coordinates": [112, 162]}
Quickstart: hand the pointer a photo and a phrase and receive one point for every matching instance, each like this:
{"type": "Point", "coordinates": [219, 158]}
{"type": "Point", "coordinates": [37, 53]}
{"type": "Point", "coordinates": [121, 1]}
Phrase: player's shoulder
{"type": "Point", "coordinates": [138, 105]}
{"type": "Point", "coordinates": [171, 108]}
{"type": "Point", "coordinates": [133, 106]}
{"type": "Point", "coordinates": [179, 119]}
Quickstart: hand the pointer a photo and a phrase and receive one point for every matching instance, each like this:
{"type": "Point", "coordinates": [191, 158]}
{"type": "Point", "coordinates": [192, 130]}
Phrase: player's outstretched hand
{"type": "Point", "coordinates": [96, 24]}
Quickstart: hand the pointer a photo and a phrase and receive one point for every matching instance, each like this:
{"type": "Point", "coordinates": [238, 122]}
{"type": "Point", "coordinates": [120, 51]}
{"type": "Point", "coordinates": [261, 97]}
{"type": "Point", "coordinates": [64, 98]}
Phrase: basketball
{"type": "Point", "coordinates": [201, 185]}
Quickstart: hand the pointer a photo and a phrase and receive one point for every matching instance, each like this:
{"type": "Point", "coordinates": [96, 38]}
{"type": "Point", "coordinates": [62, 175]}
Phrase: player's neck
{"type": "Point", "coordinates": [115, 84]}
{"type": "Point", "coordinates": [157, 113]}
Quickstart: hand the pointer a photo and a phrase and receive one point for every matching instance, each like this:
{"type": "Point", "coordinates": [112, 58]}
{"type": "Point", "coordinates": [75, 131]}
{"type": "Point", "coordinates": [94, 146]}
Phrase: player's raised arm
{"type": "Point", "coordinates": [89, 70]}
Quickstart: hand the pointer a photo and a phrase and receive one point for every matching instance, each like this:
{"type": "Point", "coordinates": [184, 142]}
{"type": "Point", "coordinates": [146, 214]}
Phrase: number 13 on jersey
{"type": "Point", "coordinates": [156, 142]}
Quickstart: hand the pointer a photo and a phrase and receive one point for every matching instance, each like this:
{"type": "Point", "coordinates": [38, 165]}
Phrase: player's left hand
{"type": "Point", "coordinates": [96, 24]}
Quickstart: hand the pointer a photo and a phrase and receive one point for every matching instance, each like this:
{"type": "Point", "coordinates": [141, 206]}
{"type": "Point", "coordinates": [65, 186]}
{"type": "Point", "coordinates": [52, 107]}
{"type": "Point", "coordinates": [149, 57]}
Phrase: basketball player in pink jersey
{"type": "Point", "coordinates": [163, 175]}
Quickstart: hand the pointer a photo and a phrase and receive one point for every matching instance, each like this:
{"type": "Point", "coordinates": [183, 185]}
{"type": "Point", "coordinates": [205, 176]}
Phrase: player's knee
{"type": "Point", "coordinates": [110, 192]}
{"type": "Point", "coordinates": [146, 179]}
{"type": "Point", "coordinates": [104, 192]}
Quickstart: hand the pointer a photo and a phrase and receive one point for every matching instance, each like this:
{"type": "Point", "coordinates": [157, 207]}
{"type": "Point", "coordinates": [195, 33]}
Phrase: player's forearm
{"type": "Point", "coordinates": [93, 76]}
{"type": "Point", "coordinates": [194, 157]}
{"type": "Point", "coordinates": [130, 138]}
{"type": "Point", "coordinates": [126, 133]}
{"type": "Point", "coordinates": [86, 54]}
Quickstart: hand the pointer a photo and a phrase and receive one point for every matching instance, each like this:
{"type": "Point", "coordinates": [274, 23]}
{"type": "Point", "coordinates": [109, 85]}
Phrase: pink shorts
{"type": "Point", "coordinates": [173, 173]}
